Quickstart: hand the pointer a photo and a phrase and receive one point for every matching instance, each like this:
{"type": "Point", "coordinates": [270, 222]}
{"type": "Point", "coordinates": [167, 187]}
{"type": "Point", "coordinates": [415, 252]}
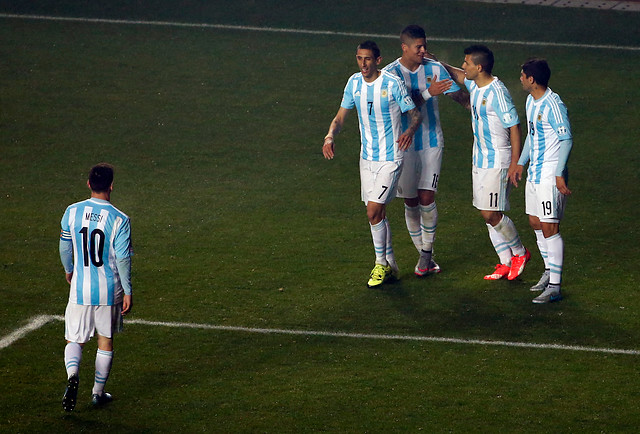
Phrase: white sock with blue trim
{"type": "Point", "coordinates": [103, 368]}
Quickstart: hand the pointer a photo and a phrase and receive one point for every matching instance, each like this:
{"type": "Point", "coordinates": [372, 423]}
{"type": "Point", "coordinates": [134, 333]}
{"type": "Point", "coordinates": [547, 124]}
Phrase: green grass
{"type": "Point", "coordinates": [238, 220]}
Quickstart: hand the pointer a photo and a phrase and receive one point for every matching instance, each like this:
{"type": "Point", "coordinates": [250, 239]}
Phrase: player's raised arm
{"type": "Point", "coordinates": [456, 73]}
{"type": "Point", "coordinates": [461, 97]}
{"type": "Point", "coordinates": [328, 147]}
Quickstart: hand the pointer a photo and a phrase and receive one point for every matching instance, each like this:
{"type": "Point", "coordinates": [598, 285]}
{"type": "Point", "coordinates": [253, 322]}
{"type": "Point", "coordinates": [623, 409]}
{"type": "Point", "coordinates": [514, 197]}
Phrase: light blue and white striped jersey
{"type": "Point", "coordinates": [429, 135]}
{"type": "Point", "coordinates": [380, 105]}
{"type": "Point", "coordinates": [492, 114]}
{"type": "Point", "coordinates": [548, 122]}
{"type": "Point", "coordinates": [100, 234]}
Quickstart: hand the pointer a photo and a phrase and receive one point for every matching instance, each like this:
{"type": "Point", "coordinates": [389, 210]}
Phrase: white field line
{"type": "Point", "coordinates": [313, 32]}
{"type": "Point", "coordinates": [40, 321]}
{"type": "Point", "coordinates": [34, 324]}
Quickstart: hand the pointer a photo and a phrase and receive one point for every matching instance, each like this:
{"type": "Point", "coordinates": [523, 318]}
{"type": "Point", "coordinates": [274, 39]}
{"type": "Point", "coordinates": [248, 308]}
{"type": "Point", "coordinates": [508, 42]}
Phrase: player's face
{"type": "Point", "coordinates": [527, 82]}
{"type": "Point", "coordinates": [414, 50]}
{"type": "Point", "coordinates": [471, 70]}
{"type": "Point", "coordinates": [368, 64]}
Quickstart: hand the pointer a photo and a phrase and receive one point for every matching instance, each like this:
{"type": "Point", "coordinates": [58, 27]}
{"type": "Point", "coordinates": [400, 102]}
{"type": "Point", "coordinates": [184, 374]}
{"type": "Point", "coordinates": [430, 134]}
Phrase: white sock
{"type": "Point", "coordinates": [555, 248]}
{"type": "Point", "coordinates": [103, 368]}
{"type": "Point", "coordinates": [389, 255]}
{"type": "Point", "coordinates": [508, 230]}
{"type": "Point", "coordinates": [429, 222]}
{"type": "Point", "coordinates": [542, 247]}
{"type": "Point", "coordinates": [379, 235]}
{"type": "Point", "coordinates": [500, 246]}
{"type": "Point", "coordinates": [412, 218]}
{"type": "Point", "coordinates": [72, 358]}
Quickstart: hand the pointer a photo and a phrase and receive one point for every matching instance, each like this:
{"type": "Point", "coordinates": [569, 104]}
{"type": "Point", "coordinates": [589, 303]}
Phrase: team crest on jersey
{"type": "Point", "coordinates": [384, 93]}
{"type": "Point", "coordinates": [539, 117]}
{"type": "Point", "coordinates": [429, 80]}
{"type": "Point", "coordinates": [484, 102]}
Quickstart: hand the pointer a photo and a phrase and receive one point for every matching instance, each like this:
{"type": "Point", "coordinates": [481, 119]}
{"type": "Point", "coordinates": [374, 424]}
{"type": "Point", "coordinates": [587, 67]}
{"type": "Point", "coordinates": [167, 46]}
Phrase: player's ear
{"type": "Point", "coordinates": [378, 60]}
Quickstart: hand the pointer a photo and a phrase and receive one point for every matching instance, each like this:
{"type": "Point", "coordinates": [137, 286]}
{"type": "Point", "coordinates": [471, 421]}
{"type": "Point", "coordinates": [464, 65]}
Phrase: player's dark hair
{"type": "Point", "coordinates": [370, 45]}
{"type": "Point", "coordinates": [412, 31]}
{"type": "Point", "coordinates": [101, 177]}
{"type": "Point", "coordinates": [538, 69]}
{"type": "Point", "coordinates": [481, 55]}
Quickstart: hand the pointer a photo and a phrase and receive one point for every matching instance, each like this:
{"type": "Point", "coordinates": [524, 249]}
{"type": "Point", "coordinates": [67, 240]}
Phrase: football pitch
{"type": "Point", "coordinates": [252, 252]}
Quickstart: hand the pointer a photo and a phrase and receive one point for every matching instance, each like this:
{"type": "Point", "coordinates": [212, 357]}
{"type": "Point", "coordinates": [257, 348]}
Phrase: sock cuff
{"type": "Point", "coordinates": [104, 353]}
{"type": "Point", "coordinates": [428, 208]}
{"type": "Point", "coordinates": [379, 226]}
{"type": "Point", "coordinates": [554, 237]}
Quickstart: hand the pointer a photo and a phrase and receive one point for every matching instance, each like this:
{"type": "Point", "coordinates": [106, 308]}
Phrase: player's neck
{"type": "Point", "coordinates": [373, 77]}
{"type": "Point", "coordinates": [483, 79]}
{"type": "Point", "coordinates": [102, 196]}
{"type": "Point", "coordinates": [409, 64]}
{"type": "Point", "coordinates": [538, 92]}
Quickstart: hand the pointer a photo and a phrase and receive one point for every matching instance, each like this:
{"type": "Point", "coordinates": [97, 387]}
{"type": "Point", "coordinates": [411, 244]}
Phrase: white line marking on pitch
{"type": "Point", "coordinates": [41, 320]}
{"type": "Point", "coordinates": [313, 32]}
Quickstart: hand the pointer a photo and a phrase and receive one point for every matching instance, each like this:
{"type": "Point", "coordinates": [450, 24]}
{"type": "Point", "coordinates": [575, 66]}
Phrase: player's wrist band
{"type": "Point", "coordinates": [425, 94]}
{"type": "Point", "coordinates": [328, 137]}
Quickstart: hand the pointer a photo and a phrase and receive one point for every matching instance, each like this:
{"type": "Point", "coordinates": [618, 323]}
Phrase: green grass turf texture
{"type": "Point", "coordinates": [238, 220]}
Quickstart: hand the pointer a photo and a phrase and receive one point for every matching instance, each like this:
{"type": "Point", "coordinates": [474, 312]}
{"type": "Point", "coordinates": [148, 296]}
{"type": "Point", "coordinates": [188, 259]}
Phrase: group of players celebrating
{"type": "Point", "coordinates": [401, 153]}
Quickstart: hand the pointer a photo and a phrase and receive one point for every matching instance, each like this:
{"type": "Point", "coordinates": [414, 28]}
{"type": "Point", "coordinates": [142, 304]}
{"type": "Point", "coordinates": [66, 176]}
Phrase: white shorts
{"type": "Point", "coordinates": [420, 171]}
{"type": "Point", "coordinates": [491, 189]}
{"type": "Point", "coordinates": [379, 180]}
{"type": "Point", "coordinates": [80, 322]}
{"type": "Point", "coordinates": [545, 201]}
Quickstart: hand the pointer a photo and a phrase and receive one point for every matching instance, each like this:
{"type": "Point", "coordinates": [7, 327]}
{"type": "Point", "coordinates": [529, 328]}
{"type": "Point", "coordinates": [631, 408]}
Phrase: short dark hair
{"type": "Point", "coordinates": [412, 31]}
{"type": "Point", "coordinates": [538, 69]}
{"type": "Point", "coordinates": [481, 55]}
{"type": "Point", "coordinates": [101, 177]}
{"type": "Point", "coordinates": [370, 45]}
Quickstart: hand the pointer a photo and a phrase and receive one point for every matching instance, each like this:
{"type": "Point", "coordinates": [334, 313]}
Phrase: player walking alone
{"type": "Point", "coordinates": [95, 250]}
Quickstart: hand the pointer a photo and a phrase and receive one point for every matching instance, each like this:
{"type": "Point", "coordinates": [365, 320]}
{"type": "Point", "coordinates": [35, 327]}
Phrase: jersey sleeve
{"type": "Point", "coordinates": [122, 241]}
{"type": "Point", "coordinates": [401, 95]}
{"type": "Point", "coordinates": [559, 121]}
{"type": "Point", "coordinates": [66, 244]}
{"type": "Point", "coordinates": [443, 74]}
{"type": "Point", "coordinates": [504, 108]}
{"type": "Point", "coordinates": [347, 97]}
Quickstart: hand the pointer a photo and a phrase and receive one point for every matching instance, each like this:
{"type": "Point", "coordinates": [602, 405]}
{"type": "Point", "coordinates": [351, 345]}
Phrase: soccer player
{"type": "Point", "coordinates": [379, 98]}
{"type": "Point", "coordinates": [95, 250]}
{"type": "Point", "coordinates": [546, 149]}
{"type": "Point", "coordinates": [425, 80]}
{"type": "Point", "coordinates": [496, 149]}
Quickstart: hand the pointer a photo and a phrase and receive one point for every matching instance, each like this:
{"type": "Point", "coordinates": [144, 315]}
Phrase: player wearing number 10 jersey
{"type": "Point", "coordinates": [95, 250]}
